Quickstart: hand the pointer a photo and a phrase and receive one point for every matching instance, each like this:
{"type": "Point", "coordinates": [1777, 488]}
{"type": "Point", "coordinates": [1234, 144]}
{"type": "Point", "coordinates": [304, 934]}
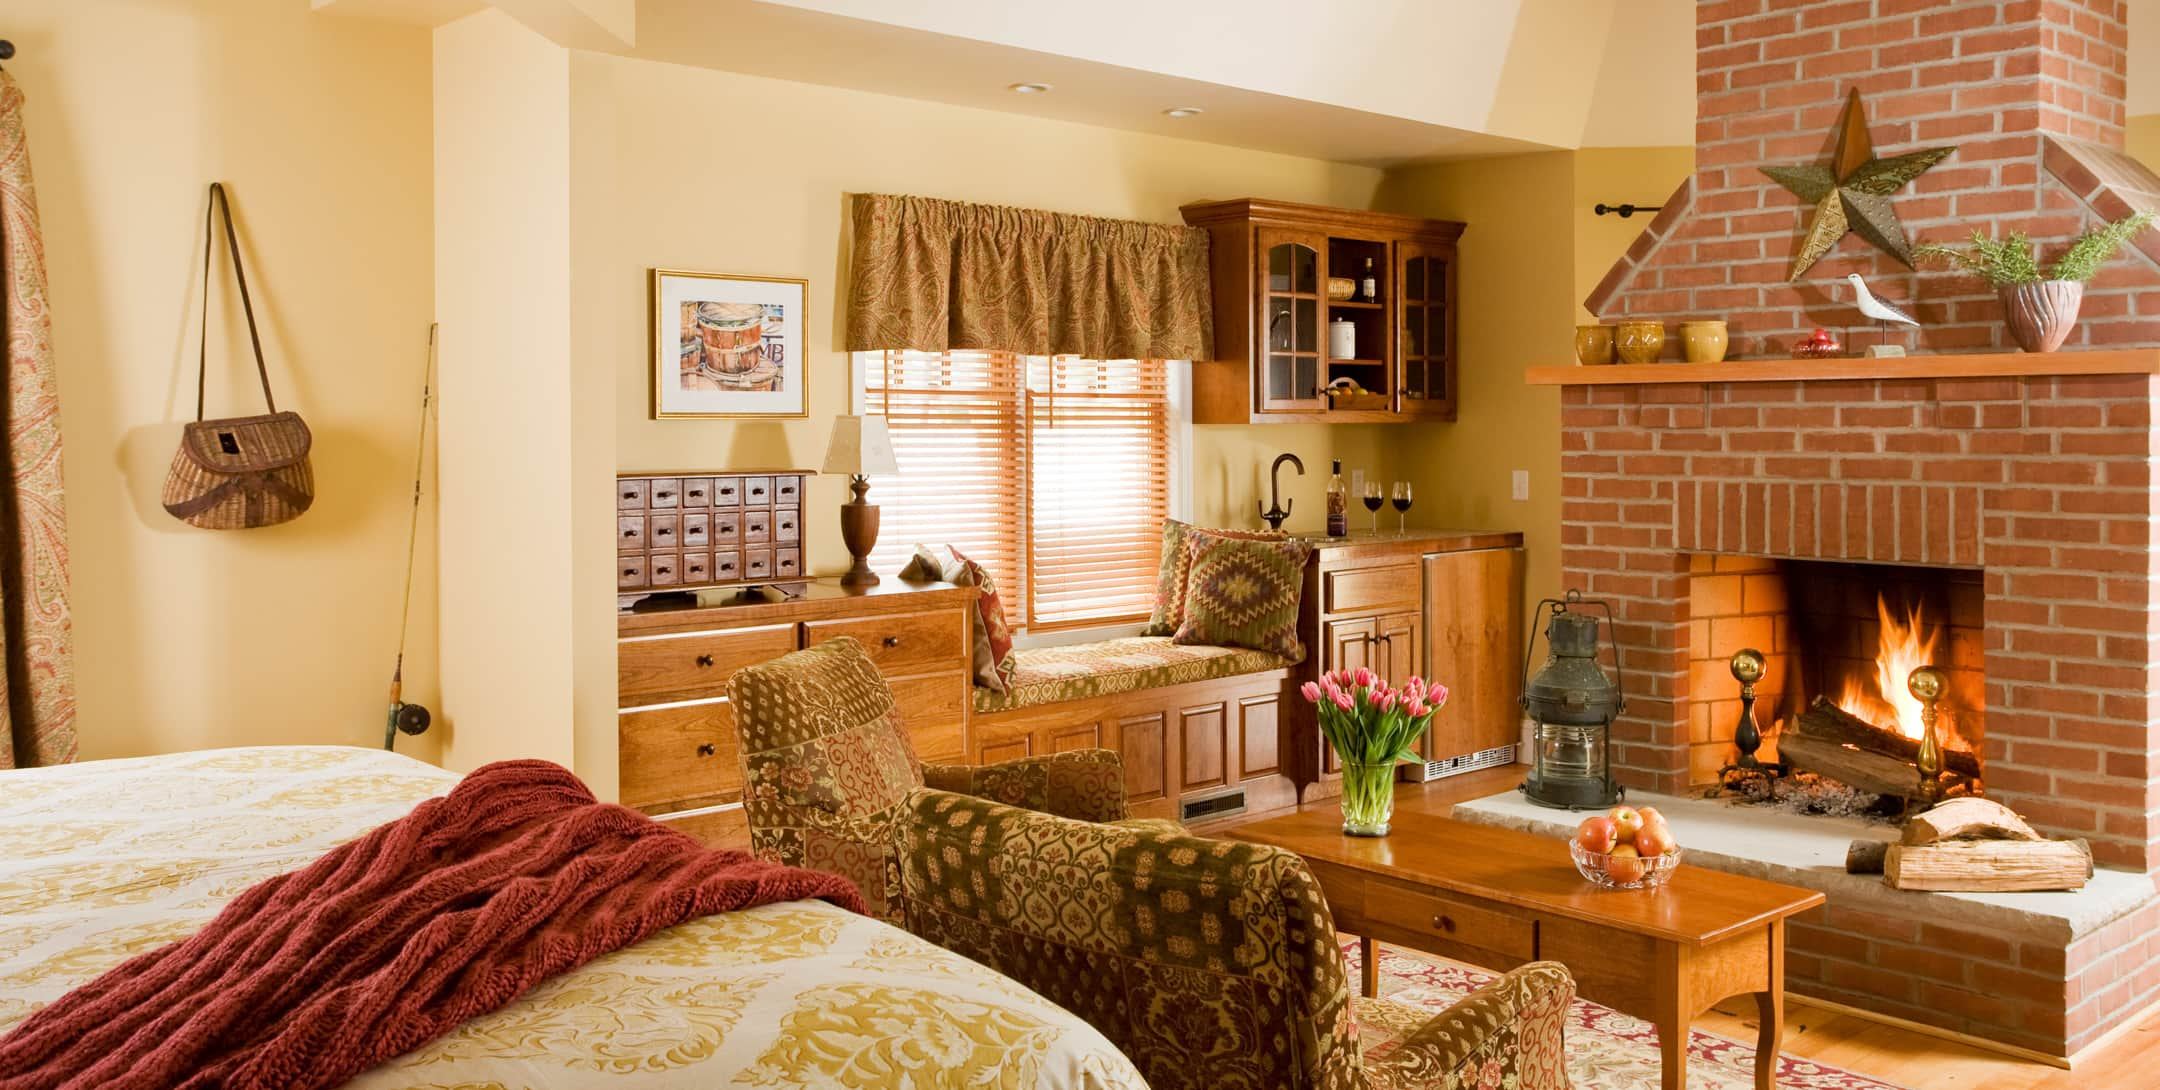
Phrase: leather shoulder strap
{"type": "Point", "coordinates": [218, 201]}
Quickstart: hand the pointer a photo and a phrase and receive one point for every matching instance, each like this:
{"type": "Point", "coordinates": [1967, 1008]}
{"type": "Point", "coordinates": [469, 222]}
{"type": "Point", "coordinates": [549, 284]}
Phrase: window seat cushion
{"type": "Point", "coordinates": [1047, 675]}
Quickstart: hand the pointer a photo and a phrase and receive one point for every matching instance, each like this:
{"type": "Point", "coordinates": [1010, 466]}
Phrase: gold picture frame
{"type": "Point", "coordinates": [727, 347]}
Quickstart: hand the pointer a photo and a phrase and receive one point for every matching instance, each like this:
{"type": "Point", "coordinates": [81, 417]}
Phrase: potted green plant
{"type": "Point", "coordinates": [1372, 727]}
{"type": "Point", "coordinates": [2039, 309]}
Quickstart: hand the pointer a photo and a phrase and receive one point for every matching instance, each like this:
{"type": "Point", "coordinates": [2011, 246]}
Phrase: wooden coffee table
{"type": "Point", "coordinates": [1498, 898]}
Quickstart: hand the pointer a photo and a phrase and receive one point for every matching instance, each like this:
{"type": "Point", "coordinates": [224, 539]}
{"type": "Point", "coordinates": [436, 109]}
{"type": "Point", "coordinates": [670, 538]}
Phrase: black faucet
{"type": "Point", "coordinates": [1277, 511]}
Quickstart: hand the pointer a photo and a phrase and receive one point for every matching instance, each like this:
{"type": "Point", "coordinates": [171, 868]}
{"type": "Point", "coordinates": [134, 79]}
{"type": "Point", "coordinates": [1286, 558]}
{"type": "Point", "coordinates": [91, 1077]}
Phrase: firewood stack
{"type": "Point", "coordinates": [1973, 845]}
{"type": "Point", "coordinates": [1828, 741]}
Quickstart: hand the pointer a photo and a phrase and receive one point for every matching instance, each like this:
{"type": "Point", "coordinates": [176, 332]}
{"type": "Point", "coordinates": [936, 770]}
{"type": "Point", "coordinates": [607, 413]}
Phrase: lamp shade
{"type": "Point", "coordinates": [860, 446]}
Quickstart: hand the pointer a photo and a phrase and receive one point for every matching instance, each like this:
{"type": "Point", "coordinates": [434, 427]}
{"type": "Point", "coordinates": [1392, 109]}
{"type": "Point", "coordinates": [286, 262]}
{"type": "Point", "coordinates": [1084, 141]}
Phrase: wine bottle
{"type": "Point", "coordinates": [1368, 286]}
{"type": "Point", "coordinates": [1338, 504]}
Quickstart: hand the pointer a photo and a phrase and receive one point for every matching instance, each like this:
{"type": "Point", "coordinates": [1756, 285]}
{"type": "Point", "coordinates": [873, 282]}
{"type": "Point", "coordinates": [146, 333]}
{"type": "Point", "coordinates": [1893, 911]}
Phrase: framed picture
{"type": "Point", "coordinates": [729, 346]}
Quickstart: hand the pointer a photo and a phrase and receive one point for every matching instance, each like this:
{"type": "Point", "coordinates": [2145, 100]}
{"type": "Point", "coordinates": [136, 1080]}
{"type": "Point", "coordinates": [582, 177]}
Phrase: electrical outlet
{"type": "Point", "coordinates": [1522, 484]}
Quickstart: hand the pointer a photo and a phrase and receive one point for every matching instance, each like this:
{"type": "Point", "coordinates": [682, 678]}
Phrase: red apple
{"type": "Point", "coordinates": [1597, 834]}
{"type": "Point", "coordinates": [1650, 815]}
{"type": "Point", "coordinates": [1655, 840]}
{"type": "Point", "coordinates": [1626, 821]}
{"type": "Point", "coordinates": [1625, 865]}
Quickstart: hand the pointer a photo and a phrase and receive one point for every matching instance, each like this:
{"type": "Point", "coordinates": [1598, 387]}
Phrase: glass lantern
{"type": "Point", "coordinates": [1572, 703]}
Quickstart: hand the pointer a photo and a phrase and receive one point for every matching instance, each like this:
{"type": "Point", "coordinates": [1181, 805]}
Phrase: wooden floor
{"type": "Point", "coordinates": [1891, 1053]}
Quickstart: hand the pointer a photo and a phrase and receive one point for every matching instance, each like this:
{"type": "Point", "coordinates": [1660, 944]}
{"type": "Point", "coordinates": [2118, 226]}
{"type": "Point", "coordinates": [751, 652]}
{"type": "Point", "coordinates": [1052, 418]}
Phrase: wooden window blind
{"type": "Point", "coordinates": [1099, 439]}
{"type": "Point", "coordinates": [1051, 472]}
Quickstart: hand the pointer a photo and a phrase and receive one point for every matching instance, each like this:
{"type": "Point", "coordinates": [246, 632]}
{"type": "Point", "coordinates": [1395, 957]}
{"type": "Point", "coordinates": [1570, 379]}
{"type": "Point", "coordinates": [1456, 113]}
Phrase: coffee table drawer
{"type": "Point", "coordinates": [1472, 923]}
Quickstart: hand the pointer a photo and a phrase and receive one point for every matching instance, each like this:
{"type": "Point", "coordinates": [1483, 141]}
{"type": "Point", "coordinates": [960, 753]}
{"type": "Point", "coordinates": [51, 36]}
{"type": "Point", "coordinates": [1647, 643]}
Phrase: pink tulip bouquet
{"type": "Point", "coordinates": [1371, 726]}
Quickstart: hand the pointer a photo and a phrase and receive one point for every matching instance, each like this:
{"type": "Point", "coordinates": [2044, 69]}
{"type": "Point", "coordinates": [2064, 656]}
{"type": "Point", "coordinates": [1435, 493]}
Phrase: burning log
{"type": "Point", "coordinates": [1827, 721]}
{"type": "Point", "coordinates": [1863, 769]}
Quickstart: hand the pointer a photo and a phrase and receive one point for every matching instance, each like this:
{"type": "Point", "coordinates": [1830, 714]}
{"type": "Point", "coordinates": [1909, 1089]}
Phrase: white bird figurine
{"type": "Point", "coordinates": [1883, 313]}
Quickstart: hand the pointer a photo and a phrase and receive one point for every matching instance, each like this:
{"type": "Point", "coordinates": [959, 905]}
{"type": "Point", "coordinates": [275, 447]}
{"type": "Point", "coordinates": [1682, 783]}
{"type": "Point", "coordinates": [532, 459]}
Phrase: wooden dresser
{"type": "Point", "coordinates": [677, 732]}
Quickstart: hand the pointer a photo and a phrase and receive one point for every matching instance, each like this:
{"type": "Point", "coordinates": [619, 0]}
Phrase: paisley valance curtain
{"type": "Point", "coordinates": [35, 638]}
{"type": "Point", "coordinates": [934, 275]}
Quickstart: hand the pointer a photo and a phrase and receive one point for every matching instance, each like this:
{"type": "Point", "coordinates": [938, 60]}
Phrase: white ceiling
{"type": "Point", "coordinates": [1377, 82]}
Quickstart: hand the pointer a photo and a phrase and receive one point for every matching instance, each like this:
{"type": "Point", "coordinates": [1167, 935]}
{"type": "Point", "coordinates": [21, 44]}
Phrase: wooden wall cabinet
{"type": "Point", "coordinates": [1270, 262]}
{"type": "Point", "coordinates": [1445, 605]}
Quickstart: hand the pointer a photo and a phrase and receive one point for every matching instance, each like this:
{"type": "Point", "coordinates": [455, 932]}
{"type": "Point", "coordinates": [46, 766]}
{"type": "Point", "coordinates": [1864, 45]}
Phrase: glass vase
{"type": "Point", "coordinates": [1368, 798]}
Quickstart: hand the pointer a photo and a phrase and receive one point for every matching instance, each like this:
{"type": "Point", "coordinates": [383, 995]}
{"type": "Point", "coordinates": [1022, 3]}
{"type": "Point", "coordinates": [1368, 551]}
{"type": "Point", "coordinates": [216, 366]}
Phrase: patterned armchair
{"type": "Point", "coordinates": [1213, 964]}
{"type": "Point", "coordinates": [826, 766]}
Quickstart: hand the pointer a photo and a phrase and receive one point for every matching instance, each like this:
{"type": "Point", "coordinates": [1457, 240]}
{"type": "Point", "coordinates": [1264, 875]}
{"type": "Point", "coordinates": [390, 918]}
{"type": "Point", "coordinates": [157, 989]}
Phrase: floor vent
{"type": "Point", "coordinates": [1214, 806]}
{"type": "Point", "coordinates": [1456, 766]}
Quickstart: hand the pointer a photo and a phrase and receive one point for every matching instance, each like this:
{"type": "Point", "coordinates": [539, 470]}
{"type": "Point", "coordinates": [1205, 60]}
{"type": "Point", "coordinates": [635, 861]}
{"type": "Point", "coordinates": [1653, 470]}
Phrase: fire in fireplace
{"type": "Point", "coordinates": [1841, 642]}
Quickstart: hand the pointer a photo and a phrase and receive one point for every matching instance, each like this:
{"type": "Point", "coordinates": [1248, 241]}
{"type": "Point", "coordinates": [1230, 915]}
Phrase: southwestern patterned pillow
{"type": "Point", "coordinates": [993, 636]}
{"type": "Point", "coordinates": [1173, 567]}
{"type": "Point", "coordinates": [1243, 593]}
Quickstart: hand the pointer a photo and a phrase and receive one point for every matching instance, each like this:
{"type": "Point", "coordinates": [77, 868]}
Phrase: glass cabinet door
{"type": "Point", "coordinates": [1426, 342]}
{"type": "Point", "coordinates": [1290, 338]}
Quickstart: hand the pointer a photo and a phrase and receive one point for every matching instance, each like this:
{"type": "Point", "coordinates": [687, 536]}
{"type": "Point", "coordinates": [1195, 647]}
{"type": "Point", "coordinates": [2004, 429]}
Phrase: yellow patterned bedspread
{"type": "Point", "coordinates": [104, 860]}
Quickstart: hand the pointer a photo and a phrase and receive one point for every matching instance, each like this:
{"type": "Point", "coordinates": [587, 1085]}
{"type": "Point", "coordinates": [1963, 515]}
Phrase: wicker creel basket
{"type": "Point", "coordinates": [240, 473]}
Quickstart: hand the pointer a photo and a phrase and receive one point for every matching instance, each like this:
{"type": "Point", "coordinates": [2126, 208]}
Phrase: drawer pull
{"type": "Point", "coordinates": [1444, 923]}
{"type": "Point", "coordinates": [705, 660]}
{"type": "Point", "coordinates": [663, 531]}
{"type": "Point", "coordinates": [629, 533]}
{"type": "Point", "coordinates": [757, 491]}
{"type": "Point", "coordinates": [706, 749]}
{"type": "Point", "coordinates": [663, 494]}
{"type": "Point", "coordinates": [892, 641]}
{"type": "Point", "coordinates": [662, 570]}
{"type": "Point", "coordinates": [629, 571]}
{"type": "Point", "coordinates": [629, 495]}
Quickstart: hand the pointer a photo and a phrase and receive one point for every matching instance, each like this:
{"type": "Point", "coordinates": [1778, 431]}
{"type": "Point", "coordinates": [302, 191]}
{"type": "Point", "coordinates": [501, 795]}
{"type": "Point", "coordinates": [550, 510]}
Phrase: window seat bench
{"type": "Point", "coordinates": [1201, 730]}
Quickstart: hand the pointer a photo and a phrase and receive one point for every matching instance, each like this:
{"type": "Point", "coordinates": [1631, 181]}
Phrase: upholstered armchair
{"type": "Point", "coordinates": [1213, 964]}
{"type": "Point", "coordinates": [826, 766]}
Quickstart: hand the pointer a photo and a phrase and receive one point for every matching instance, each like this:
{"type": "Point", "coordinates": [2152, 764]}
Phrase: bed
{"type": "Point", "coordinates": [107, 859]}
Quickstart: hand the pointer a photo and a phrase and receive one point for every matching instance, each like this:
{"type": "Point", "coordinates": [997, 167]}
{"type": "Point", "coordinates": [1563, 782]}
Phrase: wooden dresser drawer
{"type": "Point", "coordinates": [934, 711]}
{"type": "Point", "coordinates": [679, 757]}
{"type": "Point", "coordinates": [901, 641]}
{"type": "Point", "coordinates": [650, 669]}
{"type": "Point", "coordinates": [1479, 924]}
{"type": "Point", "coordinates": [1386, 587]}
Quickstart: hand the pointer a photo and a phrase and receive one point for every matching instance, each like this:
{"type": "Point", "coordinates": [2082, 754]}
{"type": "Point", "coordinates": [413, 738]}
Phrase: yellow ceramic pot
{"type": "Point", "coordinates": [1594, 343]}
{"type": "Point", "coordinates": [1640, 342]}
{"type": "Point", "coordinates": [1703, 341]}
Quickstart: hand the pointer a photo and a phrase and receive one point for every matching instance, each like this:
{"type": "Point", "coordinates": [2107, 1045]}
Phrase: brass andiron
{"type": "Point", "coordinates": [1747, 669]}
{"type": "Point", "coordinates": [1926, 685]}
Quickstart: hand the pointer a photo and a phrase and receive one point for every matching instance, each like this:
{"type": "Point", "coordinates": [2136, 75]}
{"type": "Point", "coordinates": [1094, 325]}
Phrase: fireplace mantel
{"type": "Point", "coordinates": [2122, 361]}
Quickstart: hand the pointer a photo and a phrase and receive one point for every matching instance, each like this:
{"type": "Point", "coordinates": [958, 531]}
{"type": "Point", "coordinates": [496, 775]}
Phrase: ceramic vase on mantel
{"type": "Point", "coordinates": [2042, 313]}
{"type": "Point", "coordinates": [1640, 341]}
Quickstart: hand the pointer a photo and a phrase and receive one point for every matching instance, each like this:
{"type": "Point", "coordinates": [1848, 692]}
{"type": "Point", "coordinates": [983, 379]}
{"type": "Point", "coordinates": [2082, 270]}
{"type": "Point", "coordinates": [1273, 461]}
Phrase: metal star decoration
{"type": "Point", "coordinates": [1852, 192]}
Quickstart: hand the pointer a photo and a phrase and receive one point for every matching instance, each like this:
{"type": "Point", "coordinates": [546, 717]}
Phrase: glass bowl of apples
{"type": "Point", "coordinates": [1625, 848]}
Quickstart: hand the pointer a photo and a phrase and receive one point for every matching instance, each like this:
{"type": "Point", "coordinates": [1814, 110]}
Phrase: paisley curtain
{"type": "Point", "coordinates": [35, 636]}
{"type": "Point", "coordinates": [935, 275]}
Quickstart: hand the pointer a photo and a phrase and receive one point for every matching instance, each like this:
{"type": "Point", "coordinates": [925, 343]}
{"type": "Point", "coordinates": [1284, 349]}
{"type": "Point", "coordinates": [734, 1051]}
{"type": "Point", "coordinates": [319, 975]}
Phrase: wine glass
{"type": "Point", "coordinates": [1373, 501]}
{"type": "Point", "coordinates": [1402, 506]}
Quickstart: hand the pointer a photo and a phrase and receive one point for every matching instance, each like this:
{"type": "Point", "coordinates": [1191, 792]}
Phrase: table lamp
{"type": "Point", "coordinates": [860, 446]}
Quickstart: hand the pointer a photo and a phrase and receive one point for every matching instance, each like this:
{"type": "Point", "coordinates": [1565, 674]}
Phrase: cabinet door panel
{"type": "Point", "coordinates": [1474, 630]}
{"type": "Point", "coordinates": [1425, 329]}
{"type": "Point", "coordinates": [1347, 645]}
{"type": "Point", "coordinates": [1290, 279]}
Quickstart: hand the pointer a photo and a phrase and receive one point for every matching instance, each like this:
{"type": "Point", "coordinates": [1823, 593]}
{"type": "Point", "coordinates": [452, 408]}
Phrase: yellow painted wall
{"type": "Point", "coordinates": [189, 638]}
{"type": "Point", "coordinates": [1531, 252]}
{"type": "Point", "coordinates": [2141, 138]}
{"type": "Point", "coordinates": [660, 183]}
{"type": "Point", "coordinates": [510, 399]}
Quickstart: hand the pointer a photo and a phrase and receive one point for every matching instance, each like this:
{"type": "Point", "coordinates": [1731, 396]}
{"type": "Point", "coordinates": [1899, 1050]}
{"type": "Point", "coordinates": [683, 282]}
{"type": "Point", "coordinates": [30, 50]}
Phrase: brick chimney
{"type": "Point", "coordinates": [2030, 92]}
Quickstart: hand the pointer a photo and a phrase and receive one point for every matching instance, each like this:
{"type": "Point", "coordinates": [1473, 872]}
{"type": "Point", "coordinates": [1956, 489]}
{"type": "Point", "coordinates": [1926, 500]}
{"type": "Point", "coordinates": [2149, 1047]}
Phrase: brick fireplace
{"type": "Point", "coordinates": [1763, 502]}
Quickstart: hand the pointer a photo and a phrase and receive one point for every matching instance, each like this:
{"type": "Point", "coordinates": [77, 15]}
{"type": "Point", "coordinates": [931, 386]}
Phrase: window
{"type": "Point", "coordinates": [1055, 473]}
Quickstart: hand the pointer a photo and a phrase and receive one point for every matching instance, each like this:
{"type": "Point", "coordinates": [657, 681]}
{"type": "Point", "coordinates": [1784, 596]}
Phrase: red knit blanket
{"type": "Point", "coordinates": [392, 940]}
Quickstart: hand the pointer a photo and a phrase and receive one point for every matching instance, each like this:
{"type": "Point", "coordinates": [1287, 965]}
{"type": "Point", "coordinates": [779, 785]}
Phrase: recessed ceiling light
{"type": "Point", "coordinates": [1028, 88]}
{"type": "Point", "coordinates": [1182, 111]}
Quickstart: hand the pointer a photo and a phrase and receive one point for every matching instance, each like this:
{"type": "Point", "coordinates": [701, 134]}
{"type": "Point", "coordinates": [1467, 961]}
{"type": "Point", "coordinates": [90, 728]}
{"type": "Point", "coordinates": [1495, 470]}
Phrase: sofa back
{"type": "Point", "coordinates": [826, 765]}
{"type": "Point", "coordinates": [1213, 964]}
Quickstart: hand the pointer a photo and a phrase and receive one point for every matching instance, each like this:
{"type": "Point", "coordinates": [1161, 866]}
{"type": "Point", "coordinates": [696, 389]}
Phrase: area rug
{"type": "Point", "coordinates": [1607, 1050]}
